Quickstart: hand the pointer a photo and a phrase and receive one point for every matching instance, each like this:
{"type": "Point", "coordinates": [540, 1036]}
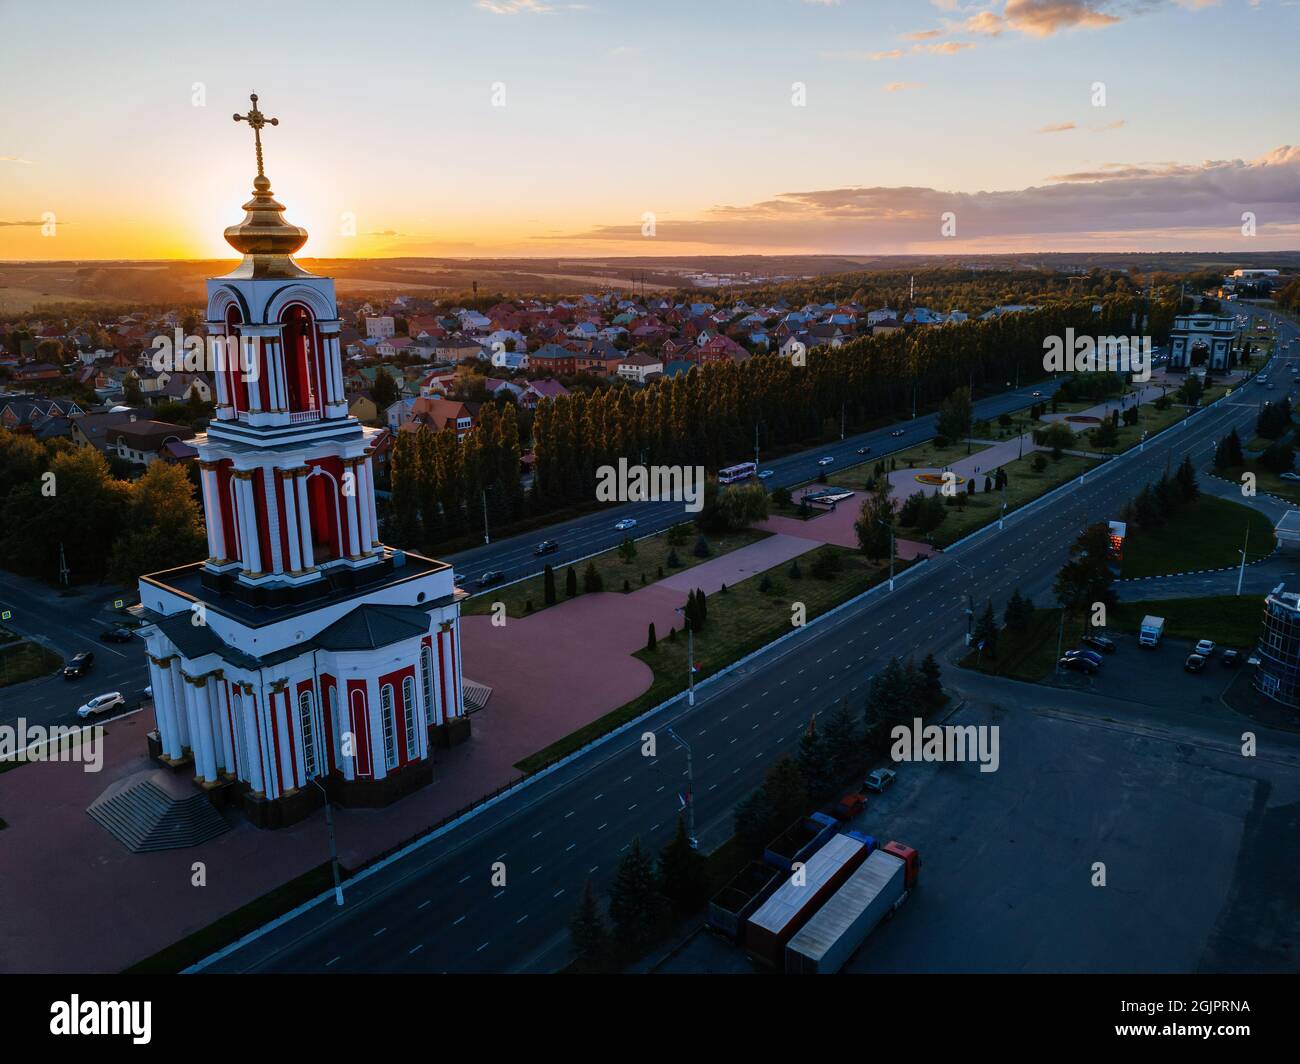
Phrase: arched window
{"type": "Point", "coordinates": [426, 682]}
{"type": "Point", "coordinates": [408, 709]}
{"type": "Point", "coordinates": [310, 763]}
{"type": "Point", "coordinates": [359, 735]}
{"type": "Point", "coordinates": [390, 725]}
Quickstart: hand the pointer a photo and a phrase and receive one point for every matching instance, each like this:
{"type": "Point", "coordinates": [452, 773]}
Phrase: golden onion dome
{"type": "Point", "coordinates": [264, 238]}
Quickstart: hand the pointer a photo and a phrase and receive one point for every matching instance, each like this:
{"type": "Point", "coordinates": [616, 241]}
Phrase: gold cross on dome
{"type": "Point", "coordinates": [257, 120]}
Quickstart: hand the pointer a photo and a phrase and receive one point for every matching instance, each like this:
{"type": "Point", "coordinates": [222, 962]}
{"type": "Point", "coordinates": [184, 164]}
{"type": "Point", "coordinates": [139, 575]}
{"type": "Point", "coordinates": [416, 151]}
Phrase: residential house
{"type": "Point", "coordinates": [639, 367]}
{"type": "Point", "coordinates": [380, 327]}
{"type": "Point", "coordinates": [126, 435]}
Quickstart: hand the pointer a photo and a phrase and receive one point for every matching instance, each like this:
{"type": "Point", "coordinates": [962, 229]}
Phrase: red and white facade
{"type": "Point", "coordinates": [302, 650]}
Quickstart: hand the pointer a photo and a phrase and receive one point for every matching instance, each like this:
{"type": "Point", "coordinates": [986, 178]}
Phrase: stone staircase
{"type": "Point", "coordinates": [476, 695]}
{"type": "Point", "coordinates": [147, 812]}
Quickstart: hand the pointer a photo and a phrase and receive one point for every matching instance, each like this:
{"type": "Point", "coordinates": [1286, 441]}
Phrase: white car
{"type": "Point", "coordinates": [896, 433]}
{"type": "Point", "coordinates": [1205, 648]}
{"type": "Point", "coordinates": [825, 461]}
{"type": "Point", "coordinates": [1290, 476]}
{"type": "Point", "coordinates": [101, 704]}
{"type": "Point", "coordinates": [764, 474]}
{"type": "Point", "coordinates": [625, 524]}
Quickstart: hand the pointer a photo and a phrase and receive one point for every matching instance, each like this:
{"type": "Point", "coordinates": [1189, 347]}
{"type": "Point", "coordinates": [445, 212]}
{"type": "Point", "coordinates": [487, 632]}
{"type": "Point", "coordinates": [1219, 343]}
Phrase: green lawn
{"type": "Point", "coordinates": [1229, 620]}
{"type": "Point", "coordinates": [1030, 655]}
{"type": "Point", "coordinates": [1023, 485]}
{"type": "Point", "coordinates": [1266, 481]}
{"type": "Point", "coordinates": [740, 621]}
{"type": "Point", "coordinates": [1205, 534]}
{"type": "Point", "coordinates": [21, 661]}
{"type": "Point", "coordinates": [1151, 422]}
{"type": "Point", "coordinates": [651, 555]}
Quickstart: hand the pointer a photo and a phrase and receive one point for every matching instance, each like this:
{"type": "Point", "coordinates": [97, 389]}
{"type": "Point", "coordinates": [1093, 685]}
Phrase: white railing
{"type": "Point", "coordinates": [299, 416]}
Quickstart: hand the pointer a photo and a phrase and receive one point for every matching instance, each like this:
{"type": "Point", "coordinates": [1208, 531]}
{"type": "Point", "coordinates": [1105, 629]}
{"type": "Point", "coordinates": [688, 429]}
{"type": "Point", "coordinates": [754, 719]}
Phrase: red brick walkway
{"type": "Point", "coordinates": [76, 900]}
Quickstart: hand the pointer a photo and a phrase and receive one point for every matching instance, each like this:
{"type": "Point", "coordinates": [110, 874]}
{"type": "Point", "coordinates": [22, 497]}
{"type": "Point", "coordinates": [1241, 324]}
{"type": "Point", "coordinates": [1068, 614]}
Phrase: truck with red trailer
{"type": "Point", "coordinates": [781, 917]}
{"type": "Point", "coordinates": [874, 891]}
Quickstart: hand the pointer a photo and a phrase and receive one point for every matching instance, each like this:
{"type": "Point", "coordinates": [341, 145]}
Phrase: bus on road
{"type": "Point", "coordinates": [737, 472]}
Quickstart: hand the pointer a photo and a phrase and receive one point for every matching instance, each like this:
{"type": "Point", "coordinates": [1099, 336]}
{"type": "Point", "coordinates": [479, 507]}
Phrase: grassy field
{"type": "Point", "coordinates": [1229, 620]}
{"type": "Point", "coordinates": [1205, 534]}
{"type": "Point", "coordinates": [21, 661]}
{"type": "Point", "coordinates": [1266, 481]}
{"type": "Point", "coordinates": [740, 621]}
{"type": "Point", "coordinates": [1023, 485]}
{"type": "Point", "coordinates": [1030, 655]}
{"type": "Point", "coordinates": [651, 556]}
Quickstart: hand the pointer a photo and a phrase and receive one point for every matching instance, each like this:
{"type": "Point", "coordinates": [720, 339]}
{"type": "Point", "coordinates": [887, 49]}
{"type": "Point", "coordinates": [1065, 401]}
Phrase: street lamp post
{"type": "Point", "coordinates": [887, 525]}
{"type": "Point", "coordinates": [690, 789]}
{"type": "Point", "coordinates": [690, 656]}
{"type": "Point", "coordinates": [334, 850]}
{"type": "Point", "coordinates": [1241, 573]}
{"type": "Point", "coordinates": [486, 538]}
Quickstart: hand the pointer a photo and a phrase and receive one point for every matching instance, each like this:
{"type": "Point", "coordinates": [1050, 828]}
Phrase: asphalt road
{"type": "Point", "coordinates": [438, 909]}
{"type": "Point", "coordinates": [595, 532]}
{"type": "Point", "coordinates": [66, 625]}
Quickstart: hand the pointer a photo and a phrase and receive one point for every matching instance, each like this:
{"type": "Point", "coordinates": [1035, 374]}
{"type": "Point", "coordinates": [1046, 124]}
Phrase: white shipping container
{"type": "Point", "coordinates": [840, 926]}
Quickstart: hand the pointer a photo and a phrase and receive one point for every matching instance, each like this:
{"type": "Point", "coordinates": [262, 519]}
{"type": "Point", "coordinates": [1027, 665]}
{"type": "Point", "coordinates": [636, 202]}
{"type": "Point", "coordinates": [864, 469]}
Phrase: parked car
{"type": "Point", "coordinates": [625, 524]}
{"type": "Point", "coordinates": [1100, 642]}
{"type": "Point", "coordinates": [1084, 665]}
{"type": "Point", "coordinates": [117, 634]}
{"type": "Point", "coordinates": [763, 474]}
{"type": "Point", "coordinates": [1290, 476]}
{"type": "Point", "coordinates": [1194, 663]}
{"type": "Point", "coordinates": [1091, 655]}
{"type": "Point", "coordinates": [825, 460]}
{"type": "Point", "coordinates": [546, 546]}
{"type": "Point", "coordinates": [1231, 659]}
{"type": "Point", "coordinates": [101, 704]}
{"type": "Point", "coordinates": [879, 779]}
{"type": "Point", "coordinates": [864, 450]}
{"type": "Point", "coordinates": [79, 665]}
{"type": "Point", "coordinates": [1205, 648]}
{"type": "Point", "coordinates": [492, 576]}
{"type": "Point", "coordinates": [1035, 395]}
{"type": "Point", "coordinates": [848, 807]}
{"type": "Point", "coordinates": [896, 433]}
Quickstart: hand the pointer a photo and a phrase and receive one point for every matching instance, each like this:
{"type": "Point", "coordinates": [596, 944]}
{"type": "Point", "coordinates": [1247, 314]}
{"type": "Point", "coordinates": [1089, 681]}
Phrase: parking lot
{"type": "Point", "coordinates": [1155, 676]}
{"type": "Point", "coordinates": [1197, 843]}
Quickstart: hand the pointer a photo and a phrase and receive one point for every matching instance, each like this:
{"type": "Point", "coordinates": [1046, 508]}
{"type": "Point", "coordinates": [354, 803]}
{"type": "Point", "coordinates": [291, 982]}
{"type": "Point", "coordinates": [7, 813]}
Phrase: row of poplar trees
{"type": "Point", "coordinates": [711, 415]}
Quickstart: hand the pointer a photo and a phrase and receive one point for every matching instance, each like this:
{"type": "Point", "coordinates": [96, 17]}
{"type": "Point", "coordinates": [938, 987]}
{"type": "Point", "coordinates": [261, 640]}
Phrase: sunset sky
{"type": "Point", "coordinates": [686, 110]}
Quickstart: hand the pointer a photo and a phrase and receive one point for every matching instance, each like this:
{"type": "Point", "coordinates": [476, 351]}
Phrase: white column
{"type": "Point", "coordinates": [220, 370]}
{"type": "Point", "coordinates": [263, 706]}
{"type": "Point", "coordinates": [275, 563]}
{"type": "Point", "coordinates": [205, 748]}
{"type": "Point", "coordinates": [252, 547]}
{"type": "Point", "coordinates": [253, 387]}
{"type": "Point", "coordinates": [378, 753]}
{"type": "Point", "coordinates": [212, 512]}
{"type": "Point", "coordinates": [368, 501]}
{"type": "Point", "coordinates": [164, 709]}
{"type": "Point", "coordinates": [225, 748]}
{"type": "Point", "coordinates": [284, 729]}
{"type": "Point", "coordinates": [350, 504]}
{"type": "Point", "coordinates": [246, 704]}
{"type": "Point", "coordinates": [293, 533]}
{"type": "Point", "coordinates": [458, 677]}
{"type": "Point", "coordinates": [304, 517]}
{"type": "Point", "coordinates": [180, 703]}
